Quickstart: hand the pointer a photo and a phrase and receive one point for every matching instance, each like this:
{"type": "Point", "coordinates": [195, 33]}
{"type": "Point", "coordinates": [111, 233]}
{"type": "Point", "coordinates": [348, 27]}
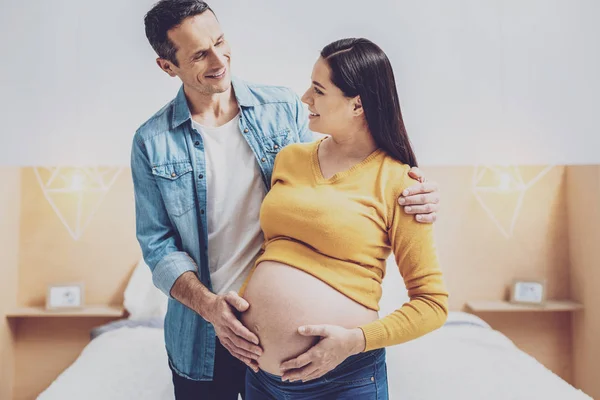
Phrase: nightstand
{"type": "Point", "coordinates": [505, 306]}
{"type": "Point", "coordinates": [48, 341]}
{"type": "Point", "coordinates": [542, 331]}
{"type": "Point", "coordinates": [84, 312]}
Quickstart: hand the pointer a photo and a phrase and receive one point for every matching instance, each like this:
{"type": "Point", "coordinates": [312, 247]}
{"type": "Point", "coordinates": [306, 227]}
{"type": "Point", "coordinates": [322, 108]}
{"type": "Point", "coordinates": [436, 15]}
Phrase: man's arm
{"type": "Point", "coordinates": [154, 231]}
{"type": "Point", "coordinates": [174, 271]}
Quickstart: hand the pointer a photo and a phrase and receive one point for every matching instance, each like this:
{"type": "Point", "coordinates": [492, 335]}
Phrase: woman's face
{"type": "Point", "coordinates": [330, 111]}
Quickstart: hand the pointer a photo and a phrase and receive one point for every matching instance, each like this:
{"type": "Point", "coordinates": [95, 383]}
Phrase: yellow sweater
{"type": "Point", "coordinates": [341, 230]}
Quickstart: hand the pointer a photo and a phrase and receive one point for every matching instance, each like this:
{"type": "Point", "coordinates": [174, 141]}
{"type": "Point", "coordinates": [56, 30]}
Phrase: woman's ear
{"type": "Point", "coordinates": [357, 106]}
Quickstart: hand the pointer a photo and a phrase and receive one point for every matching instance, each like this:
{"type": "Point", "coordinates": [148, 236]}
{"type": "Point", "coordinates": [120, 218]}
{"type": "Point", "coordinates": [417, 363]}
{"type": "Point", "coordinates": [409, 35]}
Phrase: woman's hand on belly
{"type": "Point", "coordinates": [336, 344]}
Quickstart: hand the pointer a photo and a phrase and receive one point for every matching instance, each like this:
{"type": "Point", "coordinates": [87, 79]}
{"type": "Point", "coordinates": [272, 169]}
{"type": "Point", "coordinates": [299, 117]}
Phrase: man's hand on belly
{"type": "Point", "coordinates": [336, 344]}
{"type": "Point", "coordinates": [234, 336]}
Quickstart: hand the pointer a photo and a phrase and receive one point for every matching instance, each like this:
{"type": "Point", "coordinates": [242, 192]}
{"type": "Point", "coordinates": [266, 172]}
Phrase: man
{"type": "Point", "coordinates": [201, 167]}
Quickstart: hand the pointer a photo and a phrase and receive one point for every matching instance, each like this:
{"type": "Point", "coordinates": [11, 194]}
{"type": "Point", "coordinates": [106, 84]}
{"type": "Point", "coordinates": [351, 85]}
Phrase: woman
{"type": "Point", "coordinates": [330, 221]}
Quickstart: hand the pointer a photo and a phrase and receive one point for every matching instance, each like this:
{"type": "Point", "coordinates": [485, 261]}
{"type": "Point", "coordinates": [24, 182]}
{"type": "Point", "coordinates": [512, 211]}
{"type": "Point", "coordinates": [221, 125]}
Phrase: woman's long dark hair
{"type": "Point", "coordinates": [360, 68]}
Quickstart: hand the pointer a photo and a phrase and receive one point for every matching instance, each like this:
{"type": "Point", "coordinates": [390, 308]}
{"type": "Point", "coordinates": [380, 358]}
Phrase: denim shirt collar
{"type": "Point", "coordinates": [181, 110]}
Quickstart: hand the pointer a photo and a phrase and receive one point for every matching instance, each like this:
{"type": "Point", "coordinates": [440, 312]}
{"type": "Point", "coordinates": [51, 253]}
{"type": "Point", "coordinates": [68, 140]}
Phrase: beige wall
{"type": "Point", "coordinates": [480, 262]}
{"type": "Point", "coordinates": [584, 241]}
{"type": "Point", "coordinates": [101, 258]}
{"type": "Point", "coordinates": [9, 235]}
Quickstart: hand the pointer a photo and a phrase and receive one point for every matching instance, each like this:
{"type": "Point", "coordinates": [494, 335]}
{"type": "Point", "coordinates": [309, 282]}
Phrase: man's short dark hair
{"type": "Point", "coordinates": [166, 15]}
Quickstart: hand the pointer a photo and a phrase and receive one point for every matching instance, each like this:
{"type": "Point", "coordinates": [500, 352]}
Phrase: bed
{"type": "Point", "coordinates": [465, 359]}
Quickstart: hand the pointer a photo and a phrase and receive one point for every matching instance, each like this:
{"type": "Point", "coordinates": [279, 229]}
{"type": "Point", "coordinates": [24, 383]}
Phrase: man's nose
{"type": "Point", "coordinates": [217, 61]}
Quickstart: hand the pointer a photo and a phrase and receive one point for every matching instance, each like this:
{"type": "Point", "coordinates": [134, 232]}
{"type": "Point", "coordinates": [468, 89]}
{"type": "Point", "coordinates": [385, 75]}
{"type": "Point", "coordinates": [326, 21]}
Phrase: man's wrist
{"type": "Point", "coordinates": [205, 302]}
{"type": "Point", "coordinates": [189, 291]}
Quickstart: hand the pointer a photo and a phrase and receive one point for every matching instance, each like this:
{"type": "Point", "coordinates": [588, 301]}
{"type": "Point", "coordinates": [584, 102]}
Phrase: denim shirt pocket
{"type": "Point", "coordinates": [275, 142]}
{"type": "Point", "coordinates": [176, 184]}
{"type": "Point", "coordinates": [271, 145]}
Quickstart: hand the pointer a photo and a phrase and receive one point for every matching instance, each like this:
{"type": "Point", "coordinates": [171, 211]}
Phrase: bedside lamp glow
{"type": "Point", "coordinates": [77, 181]}
{"type": "Point", "coordinates": [75, 193]}
{"type": "Point", "coordinates": [496, 186]}
{"type": "Point", "coordinates": [504, 184]}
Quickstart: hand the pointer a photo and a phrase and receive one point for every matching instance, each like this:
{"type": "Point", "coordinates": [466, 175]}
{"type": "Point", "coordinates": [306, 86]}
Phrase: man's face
{"type": "Point", "coordinates": [203, 54]}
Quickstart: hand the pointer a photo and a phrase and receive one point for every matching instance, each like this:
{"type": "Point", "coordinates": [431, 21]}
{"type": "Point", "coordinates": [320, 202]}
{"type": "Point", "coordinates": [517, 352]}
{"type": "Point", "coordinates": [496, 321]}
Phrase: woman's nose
{"type": "Point", "coordinates": [305, 98]}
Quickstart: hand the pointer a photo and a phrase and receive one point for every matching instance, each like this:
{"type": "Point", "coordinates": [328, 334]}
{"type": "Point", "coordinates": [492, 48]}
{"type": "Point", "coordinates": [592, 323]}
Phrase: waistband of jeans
{"type": "Point", "coordinates": [374, 354]}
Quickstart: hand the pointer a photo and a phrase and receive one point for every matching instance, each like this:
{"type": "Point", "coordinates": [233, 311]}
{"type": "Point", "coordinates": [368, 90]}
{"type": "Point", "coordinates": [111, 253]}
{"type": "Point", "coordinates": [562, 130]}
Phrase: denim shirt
{"type": "Point", "coordinates": [168, 168]}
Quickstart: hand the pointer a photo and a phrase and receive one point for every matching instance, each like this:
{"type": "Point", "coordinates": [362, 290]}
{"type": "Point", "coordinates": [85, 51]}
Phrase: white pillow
{"type": "Point", "coordinates": [142, 299]}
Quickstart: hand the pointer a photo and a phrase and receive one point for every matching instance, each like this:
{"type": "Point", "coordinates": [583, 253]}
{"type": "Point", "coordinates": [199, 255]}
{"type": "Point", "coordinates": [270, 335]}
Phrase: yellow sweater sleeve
{"type": "Point", "coordinates": [414, 249]}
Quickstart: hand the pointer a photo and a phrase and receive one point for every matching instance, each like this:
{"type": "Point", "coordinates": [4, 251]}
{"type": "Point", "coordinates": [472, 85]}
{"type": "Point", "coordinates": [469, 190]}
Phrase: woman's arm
{"type": "Point", "coordinates": [414, 249]}
{"type": "Point", "coordinates": [413, 246]}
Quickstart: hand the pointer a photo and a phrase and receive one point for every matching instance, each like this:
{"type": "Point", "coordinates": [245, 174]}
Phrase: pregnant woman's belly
{"type": "Point", "coordinates": [283, 298]}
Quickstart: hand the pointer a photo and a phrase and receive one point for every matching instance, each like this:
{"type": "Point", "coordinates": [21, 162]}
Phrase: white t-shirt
{"type": "Point", "coordinates": [235, 191]}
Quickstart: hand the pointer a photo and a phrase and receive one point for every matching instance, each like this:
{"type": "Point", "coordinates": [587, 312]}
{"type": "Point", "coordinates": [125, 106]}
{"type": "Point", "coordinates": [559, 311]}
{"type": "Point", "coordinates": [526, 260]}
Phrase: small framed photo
{"type": "Point", "coordinates": [64, 296]}
{"type": "Point", "coordinates": [531, 291]}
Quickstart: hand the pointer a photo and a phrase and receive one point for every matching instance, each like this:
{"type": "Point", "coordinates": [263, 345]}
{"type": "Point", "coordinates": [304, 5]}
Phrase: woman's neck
{"type": "Point", "coordinates": [355, 145]}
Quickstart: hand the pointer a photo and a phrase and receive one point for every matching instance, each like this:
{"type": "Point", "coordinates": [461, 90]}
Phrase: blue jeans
{"type": "Point", "coordinates": [227, 383]}
{"type": "Point", "coordinates": [362, 376]}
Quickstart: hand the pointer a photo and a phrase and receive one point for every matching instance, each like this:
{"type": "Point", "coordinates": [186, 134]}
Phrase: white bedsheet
{"type": "Point", "coordinates": [124, 364]}
{"type": "Point", "coordinates": [464, 360]}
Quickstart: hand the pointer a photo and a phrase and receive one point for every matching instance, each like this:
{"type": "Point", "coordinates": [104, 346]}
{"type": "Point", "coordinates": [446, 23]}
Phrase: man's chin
{"type": "Point", "coordinates": [214, 87]}
{"type": "Point", "coordinates": [222, 86]}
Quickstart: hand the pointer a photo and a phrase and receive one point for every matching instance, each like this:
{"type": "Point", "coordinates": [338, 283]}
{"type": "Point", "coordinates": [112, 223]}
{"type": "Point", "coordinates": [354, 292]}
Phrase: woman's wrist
{"type": "Point", "coordinates": [359, 342]}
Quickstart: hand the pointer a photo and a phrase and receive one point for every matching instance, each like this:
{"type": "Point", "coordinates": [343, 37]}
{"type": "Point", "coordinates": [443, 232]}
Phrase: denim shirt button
{"type": "Point", "coordinates": [196, 143]}
{"type": "Point", "coordinates": [246, 130]}
{"type": "Point", "coordinates": [276, 147]}
{"type": "Point", "coordinates": [263, 159]}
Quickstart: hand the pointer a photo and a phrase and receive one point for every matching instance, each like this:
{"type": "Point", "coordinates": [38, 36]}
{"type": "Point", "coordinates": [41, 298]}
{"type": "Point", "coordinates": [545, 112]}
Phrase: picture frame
{"type": "Point", "coordinates": [528, 291]}
{"type": "Point", "coordinates": [65, 296]}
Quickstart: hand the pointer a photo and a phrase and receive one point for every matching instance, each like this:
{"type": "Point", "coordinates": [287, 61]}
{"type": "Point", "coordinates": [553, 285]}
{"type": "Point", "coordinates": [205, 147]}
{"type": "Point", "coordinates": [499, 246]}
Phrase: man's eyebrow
{"type": "Point", "coordinates": [199, 52]}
